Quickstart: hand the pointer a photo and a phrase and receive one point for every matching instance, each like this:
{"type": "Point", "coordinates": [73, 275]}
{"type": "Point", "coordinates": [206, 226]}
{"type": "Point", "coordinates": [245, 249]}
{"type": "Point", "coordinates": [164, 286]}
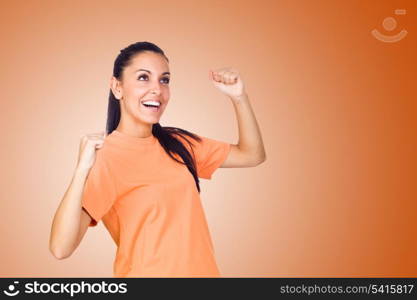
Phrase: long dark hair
{"type": "Point", "coordinates": [165, 135]}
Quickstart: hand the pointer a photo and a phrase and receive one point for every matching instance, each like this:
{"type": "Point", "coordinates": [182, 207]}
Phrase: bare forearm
{"type": "Point", "coordinates": [250, 139]}
{"type": "Point", "coordinates": [66, 222]}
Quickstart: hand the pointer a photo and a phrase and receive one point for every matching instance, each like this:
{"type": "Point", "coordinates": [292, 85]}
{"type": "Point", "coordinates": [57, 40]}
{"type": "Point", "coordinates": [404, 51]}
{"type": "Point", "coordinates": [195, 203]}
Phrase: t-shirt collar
{"type": "Point", "coordinates": [130, 140]}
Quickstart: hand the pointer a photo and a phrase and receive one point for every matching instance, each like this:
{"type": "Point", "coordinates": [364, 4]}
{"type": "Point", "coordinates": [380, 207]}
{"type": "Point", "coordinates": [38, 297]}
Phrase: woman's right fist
{"type": "Point", "coordinates": [88, 145]}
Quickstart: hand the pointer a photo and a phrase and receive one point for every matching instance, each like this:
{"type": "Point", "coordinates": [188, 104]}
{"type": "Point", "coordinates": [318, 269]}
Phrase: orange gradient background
{"type": "Point", "coordinates": [337, 195]}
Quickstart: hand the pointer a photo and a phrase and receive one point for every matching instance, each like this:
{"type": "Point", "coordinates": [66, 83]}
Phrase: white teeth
{"type": "Point", "coordinates": [152, 102]}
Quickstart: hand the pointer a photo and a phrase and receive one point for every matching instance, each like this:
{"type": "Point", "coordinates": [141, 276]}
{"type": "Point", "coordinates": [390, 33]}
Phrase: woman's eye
{"type": "Point", "coordinates": [146, 76]}
{"type": "Point", "coordinates": [142, 76]}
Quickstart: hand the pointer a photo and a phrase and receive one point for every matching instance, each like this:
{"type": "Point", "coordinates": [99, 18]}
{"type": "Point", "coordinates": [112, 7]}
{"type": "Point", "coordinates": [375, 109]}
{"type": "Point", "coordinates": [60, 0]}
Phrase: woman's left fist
{"type": "Point", "coordinates": [228, 81]}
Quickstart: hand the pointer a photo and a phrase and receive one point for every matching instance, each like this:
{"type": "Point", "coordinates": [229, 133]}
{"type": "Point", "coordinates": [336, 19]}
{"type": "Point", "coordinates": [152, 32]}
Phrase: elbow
{"type": "Point", "coordinates": [59, 253]}
{"type": "Point", "coordinates": [257, 162]}
{"type": "Point", "coordinates": [261, 160]}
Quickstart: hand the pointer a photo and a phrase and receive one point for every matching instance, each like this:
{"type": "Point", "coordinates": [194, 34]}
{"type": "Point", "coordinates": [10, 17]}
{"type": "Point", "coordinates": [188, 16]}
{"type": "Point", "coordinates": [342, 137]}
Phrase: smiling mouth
{"type": "Point", "coordinates": [151, 108]}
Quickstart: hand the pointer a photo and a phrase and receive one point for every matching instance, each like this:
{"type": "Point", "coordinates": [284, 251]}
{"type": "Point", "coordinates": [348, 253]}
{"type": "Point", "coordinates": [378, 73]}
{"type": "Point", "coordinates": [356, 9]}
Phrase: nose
{"type": "Point", "coordinates": [155, 89]}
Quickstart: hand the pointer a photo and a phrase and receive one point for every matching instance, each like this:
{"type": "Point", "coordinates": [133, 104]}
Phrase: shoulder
{"type": "Point", "coordinates": [187, 139]}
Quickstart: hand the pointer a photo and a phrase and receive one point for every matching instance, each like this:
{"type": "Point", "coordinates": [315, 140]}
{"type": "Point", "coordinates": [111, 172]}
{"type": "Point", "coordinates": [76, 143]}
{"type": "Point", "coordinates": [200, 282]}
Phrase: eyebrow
{"type": "Point", "coordinates": [151, 72]}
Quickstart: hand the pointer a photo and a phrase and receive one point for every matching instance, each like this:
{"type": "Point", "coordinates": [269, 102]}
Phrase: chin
{"type": "Point", "coordinates": [148, 120]}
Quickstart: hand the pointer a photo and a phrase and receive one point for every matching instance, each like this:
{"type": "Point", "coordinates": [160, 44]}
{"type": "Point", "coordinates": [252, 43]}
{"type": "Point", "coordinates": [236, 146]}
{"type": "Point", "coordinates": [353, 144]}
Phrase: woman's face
{"type": "Point", "coordinates": [146, 78]}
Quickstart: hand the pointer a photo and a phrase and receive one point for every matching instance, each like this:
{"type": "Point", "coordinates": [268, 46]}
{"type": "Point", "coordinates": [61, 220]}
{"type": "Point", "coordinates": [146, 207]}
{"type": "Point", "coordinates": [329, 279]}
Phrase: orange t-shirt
{"type": "Point", "coordinates": [151, 207]}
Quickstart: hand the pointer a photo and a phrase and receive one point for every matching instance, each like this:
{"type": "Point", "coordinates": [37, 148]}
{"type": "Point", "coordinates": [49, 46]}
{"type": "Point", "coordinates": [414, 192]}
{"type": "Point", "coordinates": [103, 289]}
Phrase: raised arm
{"type": "Point", "coordinates": [249, 151]}
{"type": "Point", "coordinates": [71, 221]}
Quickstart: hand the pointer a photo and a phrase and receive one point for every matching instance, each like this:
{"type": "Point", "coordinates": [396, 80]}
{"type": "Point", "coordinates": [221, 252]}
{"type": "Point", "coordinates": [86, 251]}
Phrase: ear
{"type": "Point", "coordinates": [115, 86]}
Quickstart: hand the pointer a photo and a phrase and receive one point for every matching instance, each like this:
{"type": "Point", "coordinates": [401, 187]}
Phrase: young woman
{"type": "Point", "coordinates": [141, 179]}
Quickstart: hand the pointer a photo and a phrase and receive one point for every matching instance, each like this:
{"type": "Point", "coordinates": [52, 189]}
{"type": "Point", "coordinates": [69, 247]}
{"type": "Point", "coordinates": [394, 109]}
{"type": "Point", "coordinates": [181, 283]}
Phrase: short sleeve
{"type": "Point", "coordinates": [209, 155]}
{"type": "Point", "coordinates": [99, 190]}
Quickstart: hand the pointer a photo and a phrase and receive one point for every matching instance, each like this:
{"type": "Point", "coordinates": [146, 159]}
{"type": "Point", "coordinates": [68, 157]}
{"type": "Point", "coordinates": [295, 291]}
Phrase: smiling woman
{"type": "Point", "coordinates": [142, 179]}
{"type": "Point", "coordinates": [139, 177]}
